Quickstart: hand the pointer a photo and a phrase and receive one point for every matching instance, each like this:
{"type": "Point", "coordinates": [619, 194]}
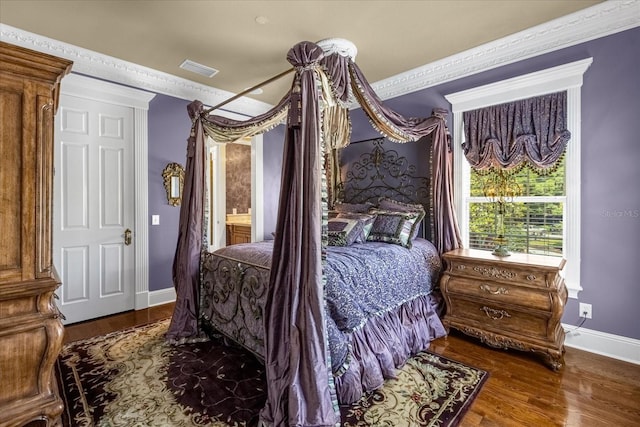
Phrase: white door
{"type": "Point", "coordinates": [94, 208]}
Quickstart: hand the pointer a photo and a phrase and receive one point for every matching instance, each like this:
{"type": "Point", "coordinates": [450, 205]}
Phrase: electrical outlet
{"type": "Point", "coordinates": [585, 310]}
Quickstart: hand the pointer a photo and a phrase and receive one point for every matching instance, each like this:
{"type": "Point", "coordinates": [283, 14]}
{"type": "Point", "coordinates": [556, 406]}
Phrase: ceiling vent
{"type": "Point", "coordinates": [194, 67]}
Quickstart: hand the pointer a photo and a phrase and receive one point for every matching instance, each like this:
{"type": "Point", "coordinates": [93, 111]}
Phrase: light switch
{"type": "Point", "coordinates": [155, 219]}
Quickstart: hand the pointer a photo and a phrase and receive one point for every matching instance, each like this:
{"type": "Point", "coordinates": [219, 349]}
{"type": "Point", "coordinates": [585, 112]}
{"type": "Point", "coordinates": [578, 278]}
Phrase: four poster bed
{"type": "Point", "coordinates": [332, 306]}
{"type": "Point", "coordinates": [380, 302]}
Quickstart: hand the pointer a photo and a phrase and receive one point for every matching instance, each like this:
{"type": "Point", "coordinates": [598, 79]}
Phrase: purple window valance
{"type": "Point", "coordinates": [529, 132]}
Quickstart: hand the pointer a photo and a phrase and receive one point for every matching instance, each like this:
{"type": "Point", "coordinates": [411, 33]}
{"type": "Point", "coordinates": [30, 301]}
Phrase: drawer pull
{"type": "Point", "coordinates": [495, 314]}
{"type": "Point", "coordinates": [487, 289]}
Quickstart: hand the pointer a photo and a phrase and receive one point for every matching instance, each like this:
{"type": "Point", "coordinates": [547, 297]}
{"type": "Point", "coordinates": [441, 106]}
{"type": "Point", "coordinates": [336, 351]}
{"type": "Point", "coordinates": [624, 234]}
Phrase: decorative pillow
{"type": "Point", "coordinates": [353, 207]}
{"type": "Point", "coordinates": [394, 205]}
{"type": "Point", "coordinates": [393, 227]}
{"type": "Point", "coordinates": [366, 220]}
{"type": "Point", "coordinates": [344, 231]}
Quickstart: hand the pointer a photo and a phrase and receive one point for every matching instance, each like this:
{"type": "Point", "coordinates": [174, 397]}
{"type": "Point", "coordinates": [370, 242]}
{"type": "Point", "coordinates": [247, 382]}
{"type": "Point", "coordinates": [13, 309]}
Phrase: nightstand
{"type": "Point", "coordinates": [512, 302]}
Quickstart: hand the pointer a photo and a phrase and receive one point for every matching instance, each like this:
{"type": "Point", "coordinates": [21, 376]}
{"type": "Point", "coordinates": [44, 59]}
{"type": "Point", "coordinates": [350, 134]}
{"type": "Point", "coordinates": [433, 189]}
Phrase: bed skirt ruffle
{"type": "Point", "coordinates": [385, 343]}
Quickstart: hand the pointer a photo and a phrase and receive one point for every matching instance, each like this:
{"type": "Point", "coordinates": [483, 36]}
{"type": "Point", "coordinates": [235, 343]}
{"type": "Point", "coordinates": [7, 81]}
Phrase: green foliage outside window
{"type": "Point", "coordinates": [531, 226]}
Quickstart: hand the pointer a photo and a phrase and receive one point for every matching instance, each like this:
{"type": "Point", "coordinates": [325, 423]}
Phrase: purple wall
{"type": "Point", "coordinates": [169, 127]}
{"type": "Point", "coordinates": [610, 177]}
{"type": "Point", "coordinates": [610, 235]}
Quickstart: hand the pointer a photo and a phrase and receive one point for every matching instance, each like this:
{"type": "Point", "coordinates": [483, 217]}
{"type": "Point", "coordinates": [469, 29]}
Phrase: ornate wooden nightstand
{"type": "Point", "coordinates": [510, 302]}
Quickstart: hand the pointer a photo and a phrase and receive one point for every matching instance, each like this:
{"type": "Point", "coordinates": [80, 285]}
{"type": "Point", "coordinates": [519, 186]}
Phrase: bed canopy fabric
{"type": "Point", "coordinates": [300, 384]}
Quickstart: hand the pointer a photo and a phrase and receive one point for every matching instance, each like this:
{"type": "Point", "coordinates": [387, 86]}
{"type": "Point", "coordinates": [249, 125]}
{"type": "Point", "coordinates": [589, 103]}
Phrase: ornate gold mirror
{"type": "Point", "coordinates": [173, 176]}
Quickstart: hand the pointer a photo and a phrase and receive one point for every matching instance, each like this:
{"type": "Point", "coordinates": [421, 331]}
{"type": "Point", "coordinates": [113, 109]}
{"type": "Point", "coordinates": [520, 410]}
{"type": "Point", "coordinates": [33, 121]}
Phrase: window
{"type": "Point", "coordinates": [545, 218]}
{"type": "Point", "coordinates": [534, 220]}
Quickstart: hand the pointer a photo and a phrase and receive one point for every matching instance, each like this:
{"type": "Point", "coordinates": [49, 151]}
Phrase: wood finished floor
{"type": "Point", "coordinates": [591, 390]}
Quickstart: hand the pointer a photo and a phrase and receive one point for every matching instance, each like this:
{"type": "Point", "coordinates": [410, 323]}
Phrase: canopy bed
{"type": "Point", "coordinates": [299, 307]}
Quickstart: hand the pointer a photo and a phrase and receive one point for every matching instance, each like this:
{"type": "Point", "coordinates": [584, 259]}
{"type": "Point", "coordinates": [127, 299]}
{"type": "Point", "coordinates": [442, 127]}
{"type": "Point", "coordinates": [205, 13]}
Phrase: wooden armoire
{"type": "Point", "coordinates": [31, 330]}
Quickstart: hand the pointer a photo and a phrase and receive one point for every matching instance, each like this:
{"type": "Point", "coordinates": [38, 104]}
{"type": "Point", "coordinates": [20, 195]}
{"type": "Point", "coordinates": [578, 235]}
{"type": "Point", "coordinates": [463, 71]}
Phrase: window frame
{"type": "Point", "coordinates": [567, 77]}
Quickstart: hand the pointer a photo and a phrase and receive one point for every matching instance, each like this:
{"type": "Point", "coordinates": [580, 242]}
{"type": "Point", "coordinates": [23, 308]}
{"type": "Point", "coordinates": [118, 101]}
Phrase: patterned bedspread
{"type": "Point", "coordinates": [363, 281]}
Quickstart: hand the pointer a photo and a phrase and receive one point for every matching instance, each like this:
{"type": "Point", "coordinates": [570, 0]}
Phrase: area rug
{"type": "Point", "coordinates": [133, 378]}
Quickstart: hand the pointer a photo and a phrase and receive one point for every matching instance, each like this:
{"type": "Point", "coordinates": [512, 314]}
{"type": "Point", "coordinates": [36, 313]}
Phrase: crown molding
{"type": "Point", "coordinates": [542, 82]}
{"type": "Point", "coordinates": [601, 20]}
{"type": "Point", "coordinates": [106, 67]}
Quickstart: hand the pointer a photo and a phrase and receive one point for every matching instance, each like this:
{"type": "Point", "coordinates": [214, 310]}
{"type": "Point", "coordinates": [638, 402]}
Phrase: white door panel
{"type": "Point", "coordinates": [94, 208]}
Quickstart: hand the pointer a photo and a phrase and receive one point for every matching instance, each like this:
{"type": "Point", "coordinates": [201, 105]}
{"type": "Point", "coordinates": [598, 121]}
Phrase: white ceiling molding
{"type": "Point", "coordinates": [106, 67]}
{"type": "Point", "coordinates": [601, 20]}
{"type": "Point", "coordinates": [597, 21]}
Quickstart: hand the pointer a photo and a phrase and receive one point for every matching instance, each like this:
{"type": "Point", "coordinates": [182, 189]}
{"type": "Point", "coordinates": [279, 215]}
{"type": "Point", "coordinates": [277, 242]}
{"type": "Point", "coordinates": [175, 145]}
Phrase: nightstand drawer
{"type": "Point", "coordinates": [479, 270]}
{"type": "Point", "coordinates": [497, 318]}
{"type": "Point", "coordinates": [500, 293]}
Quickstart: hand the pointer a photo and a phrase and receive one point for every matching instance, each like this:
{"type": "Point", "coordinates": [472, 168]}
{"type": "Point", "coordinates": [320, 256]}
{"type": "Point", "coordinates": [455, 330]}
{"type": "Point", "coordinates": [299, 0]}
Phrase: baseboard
{"type": "Point", "coordinates": [614, 346]}
{"type": "Point", "coordinates": [162, 296]}
{"type": "Point", "coordinates": [146, 299]}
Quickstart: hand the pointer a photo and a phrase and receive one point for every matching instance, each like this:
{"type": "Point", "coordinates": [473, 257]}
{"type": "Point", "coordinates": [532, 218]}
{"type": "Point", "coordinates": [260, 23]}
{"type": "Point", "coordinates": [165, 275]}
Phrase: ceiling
{"type": "Point", "coordinates": [247, 41]}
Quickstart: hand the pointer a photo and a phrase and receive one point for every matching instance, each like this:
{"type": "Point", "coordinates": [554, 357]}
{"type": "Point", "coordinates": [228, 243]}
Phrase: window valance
{"type": "Point", "coordinates": [530, 132]}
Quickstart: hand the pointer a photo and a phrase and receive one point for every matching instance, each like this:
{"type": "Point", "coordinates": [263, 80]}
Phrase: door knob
{"type": "Point", "coordinates": [127, 237]}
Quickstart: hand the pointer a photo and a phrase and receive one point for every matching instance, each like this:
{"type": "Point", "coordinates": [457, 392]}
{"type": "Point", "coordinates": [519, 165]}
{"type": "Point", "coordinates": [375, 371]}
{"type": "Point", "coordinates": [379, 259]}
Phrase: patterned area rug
{"type": "Point", "coordinates": [133, 378]}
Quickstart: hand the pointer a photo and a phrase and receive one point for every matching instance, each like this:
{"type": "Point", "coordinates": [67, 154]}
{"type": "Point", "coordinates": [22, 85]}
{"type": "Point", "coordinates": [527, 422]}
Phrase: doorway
{"type": "Point", "coordinates": [219, 209]}
{"type": "Point", "coordinates": [97, 236]}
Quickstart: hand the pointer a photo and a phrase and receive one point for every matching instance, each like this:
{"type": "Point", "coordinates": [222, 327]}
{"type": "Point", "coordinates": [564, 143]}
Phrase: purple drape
{"type": "Point", "coordinates": [300, 385]}
{"type": "Point", "coordinates": [529, 131]}
{"type": "Point", "coordinates": [186, 263]}
{"type": "Point", "coordinates": [301, 391]}
{"type": "Point", "coordinates": [446, 232]}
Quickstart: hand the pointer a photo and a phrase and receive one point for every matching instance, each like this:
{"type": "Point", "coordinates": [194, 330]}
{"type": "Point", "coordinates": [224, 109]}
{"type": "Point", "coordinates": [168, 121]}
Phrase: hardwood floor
{"type": "Point", "coordinates": [591, 390]}
{"type": "Point", "coordinates": [117, 322]}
